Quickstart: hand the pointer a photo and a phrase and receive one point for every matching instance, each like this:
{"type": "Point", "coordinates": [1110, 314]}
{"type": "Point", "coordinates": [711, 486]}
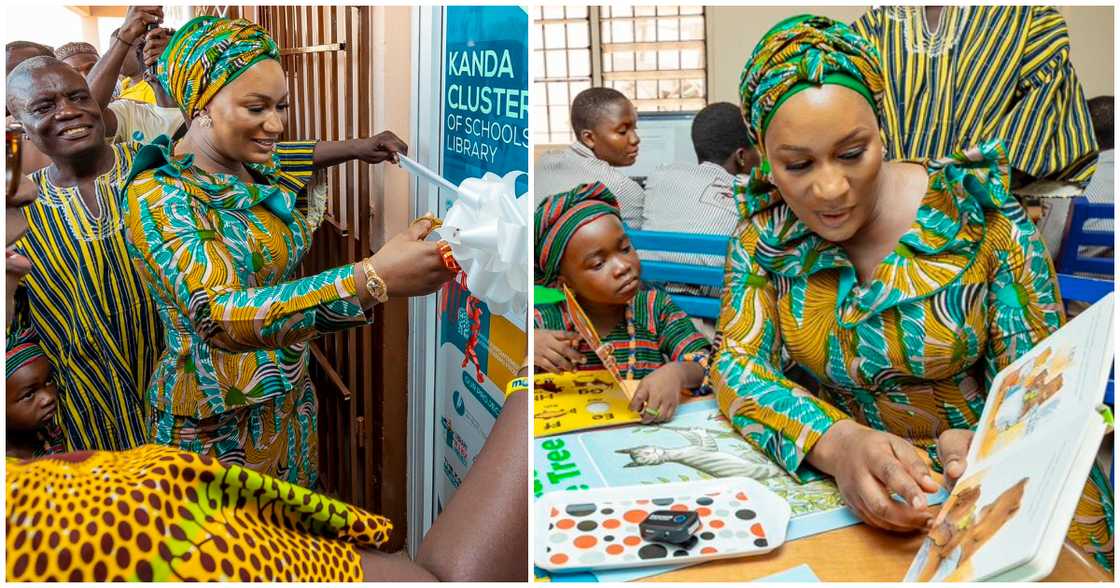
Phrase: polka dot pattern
{"type": "Point", "coordinates": [156, 513]}
{"type": "Point", "coordinates": [587, 534]}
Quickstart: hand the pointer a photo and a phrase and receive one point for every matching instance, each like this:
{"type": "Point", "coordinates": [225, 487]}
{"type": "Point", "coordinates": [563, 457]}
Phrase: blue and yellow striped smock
{"type": "Point", "coordinates": [987, 72]}
{"type": "Point", "coordinates": [94, 318]}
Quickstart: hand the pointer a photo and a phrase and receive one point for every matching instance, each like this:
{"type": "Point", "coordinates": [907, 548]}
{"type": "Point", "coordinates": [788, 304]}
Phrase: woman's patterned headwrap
{"type": "Point", "coordinates": [803, 52]}
{"type": "Point", "coordinates": [559, 217]}
{"type": "Point", "coordinates": [206, 54]}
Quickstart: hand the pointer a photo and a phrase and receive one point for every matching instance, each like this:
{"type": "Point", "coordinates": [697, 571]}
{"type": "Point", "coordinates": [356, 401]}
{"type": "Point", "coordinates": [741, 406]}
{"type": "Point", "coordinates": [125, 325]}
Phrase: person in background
{"type": "Point", "coordinates": [16, 52]}
{"type": "Point", "coordinates": [130, 120]}
{"type": "Point", "coordinates": [954, 78]}
{"type": "Point", "coordinates": [606, 127]}
{"type": "Point", "coordinates": [132, 83]}
{"type": "Point", "coordinates": [697, 197]}
{"type": "Point", "coordinates": [1101, 188]}
{"type": "Point", "coordinates": [580, 243]}
{"type": "Point", "coordinates": [92, 316]}
{"type": "Point", "coordinates": [32, 399]}
{"type": "Point", "coordinates": [79, 55]}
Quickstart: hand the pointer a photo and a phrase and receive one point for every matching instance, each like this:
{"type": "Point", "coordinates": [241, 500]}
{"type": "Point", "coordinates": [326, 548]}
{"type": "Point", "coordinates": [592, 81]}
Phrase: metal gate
{"type": "Point", "coordinates": [329, 54]}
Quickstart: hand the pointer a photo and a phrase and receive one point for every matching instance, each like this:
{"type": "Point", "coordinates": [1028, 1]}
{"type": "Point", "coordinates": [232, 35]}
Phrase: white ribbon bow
{"type": "Point", "coordinates": [487, 228]}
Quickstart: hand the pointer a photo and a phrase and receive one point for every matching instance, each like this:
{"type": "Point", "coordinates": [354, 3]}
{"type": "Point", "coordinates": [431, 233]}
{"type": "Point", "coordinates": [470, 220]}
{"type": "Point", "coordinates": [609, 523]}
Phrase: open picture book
{"type": "Point", "coordinates": [1035, 445]}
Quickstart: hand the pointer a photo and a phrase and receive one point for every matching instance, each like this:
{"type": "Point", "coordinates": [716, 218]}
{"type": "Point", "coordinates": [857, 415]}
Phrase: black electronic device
{"type": "Point", "coordinates": [670, 526]}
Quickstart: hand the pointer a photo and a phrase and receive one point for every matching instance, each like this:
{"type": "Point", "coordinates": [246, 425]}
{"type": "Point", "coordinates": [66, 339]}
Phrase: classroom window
{"type": "Point", "coordinates": [655, 55]}
{"type": "Point", "coordinates": [562, 59]}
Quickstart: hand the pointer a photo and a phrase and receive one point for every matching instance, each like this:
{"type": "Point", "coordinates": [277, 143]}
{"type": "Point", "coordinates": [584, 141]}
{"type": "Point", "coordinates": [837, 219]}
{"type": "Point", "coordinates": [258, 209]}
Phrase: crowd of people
{"type": "Point", "coordinates": [159, 397]}
{"type": "Point", "coordinates": [880, 270]}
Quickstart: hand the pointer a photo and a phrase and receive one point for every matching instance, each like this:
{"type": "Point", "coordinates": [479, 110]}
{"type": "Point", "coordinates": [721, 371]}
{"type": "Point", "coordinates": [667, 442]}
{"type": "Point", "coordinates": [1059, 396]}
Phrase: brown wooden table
{"type": "Point", "coordinates": [857, 553]}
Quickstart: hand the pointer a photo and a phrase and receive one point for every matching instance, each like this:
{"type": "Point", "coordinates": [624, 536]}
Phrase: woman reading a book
{"type": "Point", "coordinates": [900, 288]}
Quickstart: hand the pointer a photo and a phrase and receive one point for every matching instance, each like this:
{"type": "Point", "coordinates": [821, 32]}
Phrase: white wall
{"type": "Point", "coordinates": [46, 24]}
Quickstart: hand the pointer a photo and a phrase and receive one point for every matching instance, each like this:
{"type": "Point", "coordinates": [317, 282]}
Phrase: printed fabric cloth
{"type": "Point", "coordinates": [663, 333]}
{"type": "Point", "coordinates": [220, 256]}
{"type": "Point", "coordinates": [206, 54]}
{"type": "Point", "coordinates": [155, 513]}
{"type": "Point", "coordinates": [558, 218]}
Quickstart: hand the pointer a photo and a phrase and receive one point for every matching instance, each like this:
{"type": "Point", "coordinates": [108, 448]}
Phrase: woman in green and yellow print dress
{"type": "Point", "coordinates": [217, 225]}
{"type": "Point", "coordinates": [901, 288]}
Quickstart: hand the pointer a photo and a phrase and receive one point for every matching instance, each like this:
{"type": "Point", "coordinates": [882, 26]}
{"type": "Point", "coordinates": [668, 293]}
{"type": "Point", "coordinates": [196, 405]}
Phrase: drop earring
{"type": "Point", "coordinates": [205, 121]}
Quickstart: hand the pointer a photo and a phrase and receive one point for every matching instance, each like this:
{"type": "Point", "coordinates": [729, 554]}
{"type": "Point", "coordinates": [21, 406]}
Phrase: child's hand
{"type": "Point", "coordinates": [658, 394]}
{"type": "Point", "coordinates": [555, 351]}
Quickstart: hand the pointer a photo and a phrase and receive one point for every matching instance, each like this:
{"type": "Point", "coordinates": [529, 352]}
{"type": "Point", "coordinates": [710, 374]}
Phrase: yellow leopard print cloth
{"type": "Point", "coordinates": [158, 513]}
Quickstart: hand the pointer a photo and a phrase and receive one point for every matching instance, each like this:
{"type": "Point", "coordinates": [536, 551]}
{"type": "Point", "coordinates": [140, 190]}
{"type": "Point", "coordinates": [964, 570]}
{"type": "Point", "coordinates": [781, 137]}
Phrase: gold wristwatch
{"type": "Point", "coordinates": [374, 284]}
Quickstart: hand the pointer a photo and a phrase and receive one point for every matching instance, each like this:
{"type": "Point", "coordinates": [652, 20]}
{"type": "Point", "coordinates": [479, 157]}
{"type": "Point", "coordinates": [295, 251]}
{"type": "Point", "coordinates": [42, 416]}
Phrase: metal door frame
{"type": "Point", "coordinates": [427, 139]}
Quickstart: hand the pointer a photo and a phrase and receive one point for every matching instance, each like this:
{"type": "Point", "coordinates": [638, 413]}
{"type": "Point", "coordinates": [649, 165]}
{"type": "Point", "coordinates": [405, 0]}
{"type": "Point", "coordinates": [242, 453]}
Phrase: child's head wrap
{"type": "Point", "coordinates": [559, 217]}
{"type": "Point", "coordinates": [23, 348]}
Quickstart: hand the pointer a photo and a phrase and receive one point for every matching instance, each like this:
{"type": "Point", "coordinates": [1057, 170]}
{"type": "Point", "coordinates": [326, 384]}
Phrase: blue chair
{"type": "Point", "coordinates": [1071, 261]}
{"type": "Point", "coordinates": [684, 273]}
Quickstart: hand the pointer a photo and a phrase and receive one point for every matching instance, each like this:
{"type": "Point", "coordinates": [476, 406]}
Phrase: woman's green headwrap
{"type": "Point", "coordinates": [803, 52]}
{"type": "Point", "coordinates": [206, 54]}
{"type": "Point", "coordinates": [559, 217]}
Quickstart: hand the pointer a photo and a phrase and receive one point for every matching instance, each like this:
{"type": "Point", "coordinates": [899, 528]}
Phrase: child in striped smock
{"type": "Point", "coordinates": [581, 244]}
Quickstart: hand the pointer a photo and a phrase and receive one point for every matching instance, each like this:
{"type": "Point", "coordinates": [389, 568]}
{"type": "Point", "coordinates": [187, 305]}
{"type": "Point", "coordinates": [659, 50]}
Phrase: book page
{"type": "Point", "coordinates": [995, 517]}
{"type": "Point", "coordinates": [575, 401]}
{"type": "Point", "coordinates": [1063, 375]}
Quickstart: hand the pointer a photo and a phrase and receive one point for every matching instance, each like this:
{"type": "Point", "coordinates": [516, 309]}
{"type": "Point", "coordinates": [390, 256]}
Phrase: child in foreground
{"type": "Point", "coordinates": [32, 400]}
{"type": "Point", "coordinates": [581, 244]}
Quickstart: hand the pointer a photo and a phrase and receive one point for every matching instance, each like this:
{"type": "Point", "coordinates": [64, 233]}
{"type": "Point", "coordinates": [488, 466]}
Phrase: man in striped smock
{"type": "Point", "coordinates": [94, 320]}
{"type": "Point", "coordinates": [957, 76]}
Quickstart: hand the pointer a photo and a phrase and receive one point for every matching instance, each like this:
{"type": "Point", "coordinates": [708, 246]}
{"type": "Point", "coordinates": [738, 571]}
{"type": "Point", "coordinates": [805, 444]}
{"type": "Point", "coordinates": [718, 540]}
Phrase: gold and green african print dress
{"type": "Point", "coordinates": [220, 257]}
{"type": "Point", "coordinates": [156, 513]}
{"type": "Point", "coordinates": [986, 71]}
{"type": "Point", "coordinates": [968, 289]}
{"type": "Point", "coordinates": [93, 318]}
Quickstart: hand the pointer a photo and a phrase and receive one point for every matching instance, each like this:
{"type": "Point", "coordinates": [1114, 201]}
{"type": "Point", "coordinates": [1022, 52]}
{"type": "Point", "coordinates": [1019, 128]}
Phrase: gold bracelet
{"type": "Point", "coordinates": [374, 283]}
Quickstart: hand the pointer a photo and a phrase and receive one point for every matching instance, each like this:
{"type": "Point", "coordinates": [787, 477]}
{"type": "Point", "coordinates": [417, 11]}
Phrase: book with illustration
{"type": "Point", "coordinates": [576, 401]}
{"type": "Point", "coordinates": [1034, 448]}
